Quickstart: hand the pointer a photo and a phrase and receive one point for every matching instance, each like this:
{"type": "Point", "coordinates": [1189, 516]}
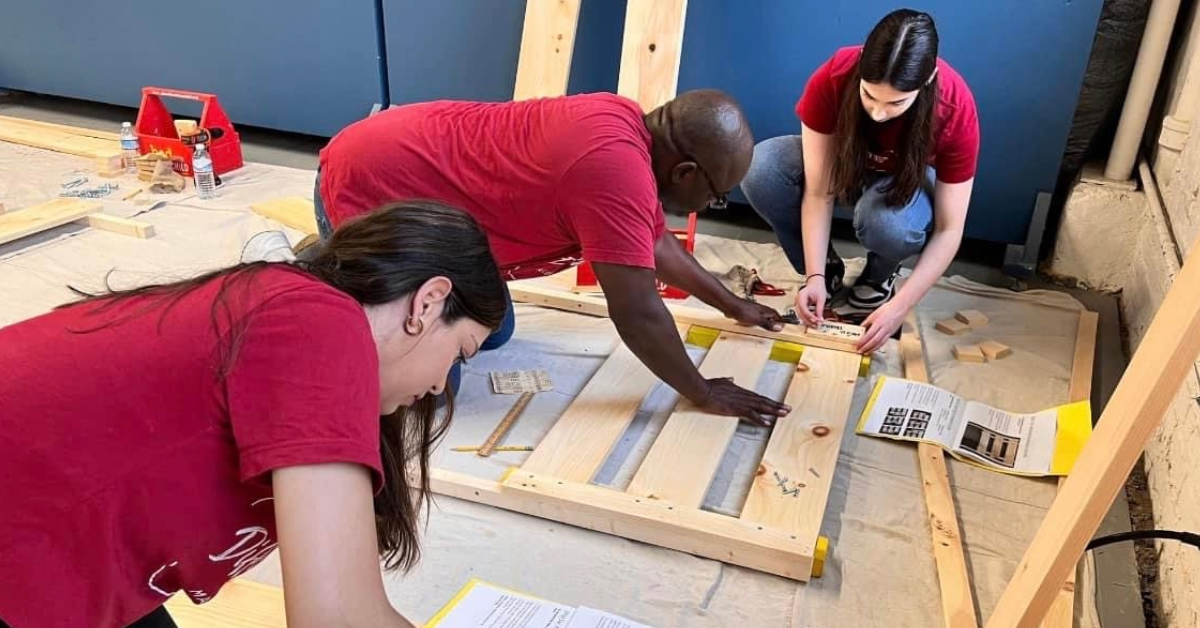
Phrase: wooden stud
{"type": "Point", "coordinates": [241, 604]}
{"type": "Point", "coordinates": [1149, 385]}
{"type": "Point", "coordinates": [59, 138]}
{"type": "Point", "coordinates": [123, 226]}
{"type": "Point", "coordinates": [524, 292]}
{"type": "Point", "coordinates": [958, 603]}
{"type": "Point", "coordinates": [294, 211]}
{"type": "Point", "coordinates": [45, 216]}
{"type": "Point", "coordinates": [547, 46]}
{"type": "Point", "coordinates": [969, 353]}
{"type": "Point", "coordinates": [995, 350]}
{"type": "Point", "coordinates": [650, 51]}
{"type": "Point", "coordinates": [792, 488]}
{"type": "Point", "coordinates": [684, 458]}
{"type": "Point", "coordinates": [584, 436]}
{"type": "Point", "coordinates": [952, 327]}
{"type": "Point", "coordinates": [974, 318]}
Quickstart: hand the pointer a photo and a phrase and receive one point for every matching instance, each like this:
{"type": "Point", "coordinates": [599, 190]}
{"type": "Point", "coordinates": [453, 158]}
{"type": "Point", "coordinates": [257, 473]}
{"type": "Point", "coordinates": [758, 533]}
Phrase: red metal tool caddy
{"type": "Point", "coordinates": [155, 128]}
{"type": "Point", "coordinates": [585, 276]}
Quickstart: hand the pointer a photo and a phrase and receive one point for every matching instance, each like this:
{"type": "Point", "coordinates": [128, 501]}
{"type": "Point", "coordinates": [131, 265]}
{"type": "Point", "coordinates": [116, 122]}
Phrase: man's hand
{"type": "Point", "coordinates": [810, 302]}
{"type": "Point", "coordinates": [881, 324]}
{"type": "Point", "coordinates": [754, 314]}
{"type": "Point", "coordinates": [728, 399]}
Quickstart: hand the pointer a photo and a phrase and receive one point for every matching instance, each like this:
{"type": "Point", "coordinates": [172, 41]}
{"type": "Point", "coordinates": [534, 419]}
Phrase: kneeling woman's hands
{"type": "Point", "coordinates": [880, 325]}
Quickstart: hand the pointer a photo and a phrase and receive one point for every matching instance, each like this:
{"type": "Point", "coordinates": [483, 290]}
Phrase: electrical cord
{"type": "Point", "coordinates": [1189, 538]}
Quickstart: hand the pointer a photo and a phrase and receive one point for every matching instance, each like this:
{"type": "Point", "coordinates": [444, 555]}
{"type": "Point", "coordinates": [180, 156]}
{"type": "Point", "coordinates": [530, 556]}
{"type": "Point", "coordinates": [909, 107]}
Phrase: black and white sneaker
{"type": "Point", "coordinates": [873, 287]}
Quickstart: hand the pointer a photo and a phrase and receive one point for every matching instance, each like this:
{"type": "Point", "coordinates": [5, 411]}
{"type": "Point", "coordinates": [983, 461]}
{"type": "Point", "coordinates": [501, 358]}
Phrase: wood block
{"type": "Point", "coordinates": [969, 353]}
{"type": "Point", "coordinates": [111, 163]}
{"type": "Point", "coordinates": [109, 174]}
{"type": "Point", "coordinates": [952, 327]}
{"type": "Point", "coordinates": [974, 318]}
{"type": "Point", "coordinates": [293, 211]}
{"type": "Point", "coordinates": [45, 216]}
{"type": "Point", "coordinates": [995, 350]}
{"type": "Point", "coordinates": [123, 226]}
{"type": "Point", "coordinates": [1, 208]}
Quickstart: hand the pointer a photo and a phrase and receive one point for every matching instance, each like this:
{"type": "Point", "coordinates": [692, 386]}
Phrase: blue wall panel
{"type": "Point", "coordinates": [299, 66]}
{"type": "Point", "coordinates": [1023, 60]}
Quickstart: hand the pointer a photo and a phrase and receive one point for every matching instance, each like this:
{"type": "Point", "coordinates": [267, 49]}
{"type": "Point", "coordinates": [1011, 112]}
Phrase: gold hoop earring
{"type": "Point", "coordinates": [420, 324]}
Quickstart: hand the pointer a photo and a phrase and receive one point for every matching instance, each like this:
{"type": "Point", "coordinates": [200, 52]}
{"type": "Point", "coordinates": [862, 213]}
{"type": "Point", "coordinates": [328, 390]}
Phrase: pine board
{"type": "Point", "coordinates": [30, 220]}
{"type": "Point", "coordinates": [240, 604]}
{"type": "Point", "coordinates": [293, 211]}
{"type": "Point", "coordinates": [651, 50]}
{"type": "Point", "coordinates": [547, 46]}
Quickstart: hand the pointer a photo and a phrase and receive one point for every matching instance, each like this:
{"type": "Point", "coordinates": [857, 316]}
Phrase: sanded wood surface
{"type": "Point", "coordinates": [30, 220]}
{"type": "Point", "coordinates": [1149, 385]}
{"type": "Point", "coordinates": [294, 211]}
{"type": "Point", "coordinates": [685, 456]}
{"type": "Point", "coordinates": [583, 437]}
{"type": "Point", "coordinates": [689, 530]}
{"type": "Point", "coordinates": [650, 51]}
{"type": "Point", "coordinates": [793, 481]}
{"type": "Point", "coordinates": [240, 604]}
{"type": "Point", "coordinates": [1062, 610]}
{"type": "Point", "coordinates": [958, 602]}
{"type": "Point", "coordinates": [523, 292]}
{"type": "Point", "coordinates": [547, 45]}
{"type": "Point", "coordinates": [58, 138]}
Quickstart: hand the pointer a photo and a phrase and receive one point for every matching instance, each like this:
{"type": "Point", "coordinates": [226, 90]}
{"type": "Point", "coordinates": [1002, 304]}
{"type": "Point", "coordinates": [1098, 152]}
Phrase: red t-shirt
{"type": "Point", "coordinates": [130, 471]}
{"type": "Point", "coordinates": [553, 181]}
{"type": "Point", "coordinates": [956, 131]}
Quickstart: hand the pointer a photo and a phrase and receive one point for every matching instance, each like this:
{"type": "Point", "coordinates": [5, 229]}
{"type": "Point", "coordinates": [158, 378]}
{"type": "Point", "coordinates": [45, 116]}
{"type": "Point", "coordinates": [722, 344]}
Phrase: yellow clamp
{"type": "Point", "coordinates": [819, 555]}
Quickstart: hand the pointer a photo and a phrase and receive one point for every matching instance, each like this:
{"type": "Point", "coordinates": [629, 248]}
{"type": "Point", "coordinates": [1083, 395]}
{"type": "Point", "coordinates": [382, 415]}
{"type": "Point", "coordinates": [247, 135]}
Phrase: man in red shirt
{"type": "Point", "coordinates": [558, 181]}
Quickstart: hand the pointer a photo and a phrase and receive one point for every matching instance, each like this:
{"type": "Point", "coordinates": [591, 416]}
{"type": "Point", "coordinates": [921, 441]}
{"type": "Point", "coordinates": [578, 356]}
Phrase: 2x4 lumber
{"type": "Point", "coordinates": [1164, 357]}
{"type": "Point", "coordinates": [792, 485]}
{"type": "Point", "coordinates": [686, 454]}
{"type": "Point", "coordinates": [123, 226]}
{"type": "Point", "coordinates": [583, 437]}
{"type": "Point", "coordinates": [57, 138]}
{"type": "Point", "coordinates": [48, 215]}
{"type": "Point", "coordinates": [547, 45]}
{"type": "Point", "coordinates": [532, 294]}
{"type": "Point", "coordinates": [693, 531]}
{"type": "Point", "coordinates": [65, 128]}
{"type": "Point", "coordinates": [1062, 610]}
{"type": "Point", "coordinates": [293, 211]}
{"type": "Point", "coordinates": [241, 604]}
{"type": "Point", "coordinates": [958, 603]}
{"type": "Point", "coordinates": [650, 51]}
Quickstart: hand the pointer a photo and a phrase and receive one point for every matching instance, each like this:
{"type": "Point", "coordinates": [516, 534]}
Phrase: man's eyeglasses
{"type": "Point", "coordinates": [717, 200]}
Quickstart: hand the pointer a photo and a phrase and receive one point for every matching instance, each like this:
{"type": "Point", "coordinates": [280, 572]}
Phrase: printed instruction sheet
{"type": "Point", "coordinates": [483, 605]}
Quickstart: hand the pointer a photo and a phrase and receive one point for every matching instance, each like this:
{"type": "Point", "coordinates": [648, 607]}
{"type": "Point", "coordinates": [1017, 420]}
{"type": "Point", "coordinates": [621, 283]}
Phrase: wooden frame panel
{"type": "Point", "coordinates": [650, 51]}
{"type": "Point", "coordinates": [547, 46]}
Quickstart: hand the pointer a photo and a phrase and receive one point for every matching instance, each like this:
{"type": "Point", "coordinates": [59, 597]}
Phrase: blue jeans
{"type": "Point", "coordinates": [775, 186]}
{"type": "Point", "coordinates": [494, 341]}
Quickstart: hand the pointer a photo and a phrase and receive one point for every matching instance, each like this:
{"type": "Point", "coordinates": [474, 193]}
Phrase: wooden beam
{"type": "Point", "coordinates": [523, 292]}
{"type": "Point", "coordinates": [123, 226]}
{"type": "Point", "coordinates": [792, 485]}
{"type": "Point", "coordinates": [583, 437]}
{"type": "Point", "coordinates": [293, 211]}
{"type": "Point", "coordinates": [686, 454]}
{"type": "Point", "coordinates": [59, 138]}
{"type": "Point", "coordinates": [657, 522]}
{"type": "Point", "coordinates": [650, 51]}
{"type": "Point", "coordinates": [1164, 357]}
{"type": "Point", "coordinates": [241, 604]}
{"type": "Point", "coordinates": [110, 136]}
{"type": "Point", "coordinates": [958, 603]}
{"type": "Point", "coordinates": [48, 215]}
{"type": "Point", "coordinates": [1062, 610]}
{"type": "Point", "coordinates": [547, 46]}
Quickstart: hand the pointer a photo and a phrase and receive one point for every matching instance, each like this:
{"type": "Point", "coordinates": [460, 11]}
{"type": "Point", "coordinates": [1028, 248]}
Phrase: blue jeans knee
{"type": "Point", "coordinates": [894, 233]}
{"type": "Point", "coordinates": [774, 186]}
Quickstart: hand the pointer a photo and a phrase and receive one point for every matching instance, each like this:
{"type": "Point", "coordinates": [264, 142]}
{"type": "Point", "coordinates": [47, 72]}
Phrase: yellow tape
{"type": "Point", "coordinates": [704, 337]}
{"type": "Point", "coordinates": [819, 555]}
{"type": "Point", "coordinates": [783, 351]}
{"type": "Point", "coordinates": [1074, 430]}
{"type": "Point", "coordinates": [862, 420]}
{"type": "Point", "coordinates": [454, 601]}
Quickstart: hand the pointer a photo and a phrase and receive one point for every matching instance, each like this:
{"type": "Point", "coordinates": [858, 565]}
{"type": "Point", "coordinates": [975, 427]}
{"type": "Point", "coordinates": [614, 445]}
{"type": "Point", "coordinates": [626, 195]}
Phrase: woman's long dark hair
{"type": "Point", "coordinates": [901, 51]}
{"type": "Point", "coordinates": [375, 259]}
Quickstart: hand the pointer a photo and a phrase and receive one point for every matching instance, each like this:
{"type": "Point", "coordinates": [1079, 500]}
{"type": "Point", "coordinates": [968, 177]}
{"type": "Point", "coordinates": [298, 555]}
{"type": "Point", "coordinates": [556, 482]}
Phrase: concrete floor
{"type": "Point", "coordinates": [1118, 584]}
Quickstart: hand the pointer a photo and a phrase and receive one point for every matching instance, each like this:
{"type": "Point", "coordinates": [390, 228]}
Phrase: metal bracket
{"type": "Point", "coordinates": [1020, 260]}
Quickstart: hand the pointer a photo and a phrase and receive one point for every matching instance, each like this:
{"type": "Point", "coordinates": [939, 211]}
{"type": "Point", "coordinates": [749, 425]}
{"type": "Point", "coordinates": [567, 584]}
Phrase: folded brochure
{"type": "Point", "coordinates": [1039, 444]}
{"type": "Point", "coordinates": [482, 605]}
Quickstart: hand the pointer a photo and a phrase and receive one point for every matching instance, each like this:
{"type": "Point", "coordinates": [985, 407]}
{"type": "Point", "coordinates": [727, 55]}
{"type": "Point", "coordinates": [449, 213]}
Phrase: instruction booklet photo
{"type": "Point", "coordinates": [483, 605]}
{"type": "Point", "coordinates": [1041, 443]}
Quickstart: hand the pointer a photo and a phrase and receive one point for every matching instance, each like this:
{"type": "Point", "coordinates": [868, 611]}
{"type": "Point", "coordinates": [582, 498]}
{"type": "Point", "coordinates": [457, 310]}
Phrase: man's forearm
{"type": "Point", "coordinates": [934, 260]}
{"type": "Point", "coordinates": [651, 334]}
{"type": "Point", "coordinates": [676, 267]}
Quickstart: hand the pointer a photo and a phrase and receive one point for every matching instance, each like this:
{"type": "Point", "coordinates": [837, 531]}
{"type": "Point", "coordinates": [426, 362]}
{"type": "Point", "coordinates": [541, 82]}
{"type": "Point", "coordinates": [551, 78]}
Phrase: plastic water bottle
{"type": "Point", "coordinates": [129, 147]}
{"type": "Point", "coordinates": [202, 170]}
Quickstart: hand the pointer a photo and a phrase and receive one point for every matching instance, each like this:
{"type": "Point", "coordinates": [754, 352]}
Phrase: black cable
{"type": "Point", "coordinates": [1189, 538]}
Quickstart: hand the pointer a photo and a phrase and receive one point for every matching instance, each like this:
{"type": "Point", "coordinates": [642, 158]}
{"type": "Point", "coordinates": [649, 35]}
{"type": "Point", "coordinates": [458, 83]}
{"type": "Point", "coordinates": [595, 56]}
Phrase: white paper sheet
{"type": "Point", "coordinates": [487, 606]}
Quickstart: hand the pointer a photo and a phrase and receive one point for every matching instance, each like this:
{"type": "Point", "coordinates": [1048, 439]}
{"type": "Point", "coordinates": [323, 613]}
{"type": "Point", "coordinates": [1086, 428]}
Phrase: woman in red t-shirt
{"type": "Point", "coordinates": [163, 440]}
{"type": "Point", "coordinates": [891, 130]}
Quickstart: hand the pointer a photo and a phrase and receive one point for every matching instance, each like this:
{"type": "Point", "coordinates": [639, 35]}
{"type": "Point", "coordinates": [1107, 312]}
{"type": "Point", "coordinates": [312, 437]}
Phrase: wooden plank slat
{"type": "Point", "coordinates": [109, 136]}
{"type": "Point", "coordinates": [651, 50]}
{"type": "Point", "coordinates": [523, 292]}
{"type": "Point", "coordinates": [547, 46]}
{"type": "Point", "coordinates": [294, 211]}
{"type": "Point", "coordinates": [1148, 387]}
{"type": "Point", "coordinates": [583, 437]}
{"type": "Point", "coordinates": [1062, 610]}
{"type": "Point", "coordinates": [123, 226]}
{"type": "Point", "coordinates": [792, 485]}
{"type": "Point", "coordinates": [685, 456]}
{"type": "Point", "coordinates": [56, 138]}
{"type": "Point", "coordinates": [240, 604]}
{"type": "Point", "coordinates": [958, 603]}
{"type": "Point", "coordinates": [30, 220]}
{"type": "Point", "coordinates": [693, 531]}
